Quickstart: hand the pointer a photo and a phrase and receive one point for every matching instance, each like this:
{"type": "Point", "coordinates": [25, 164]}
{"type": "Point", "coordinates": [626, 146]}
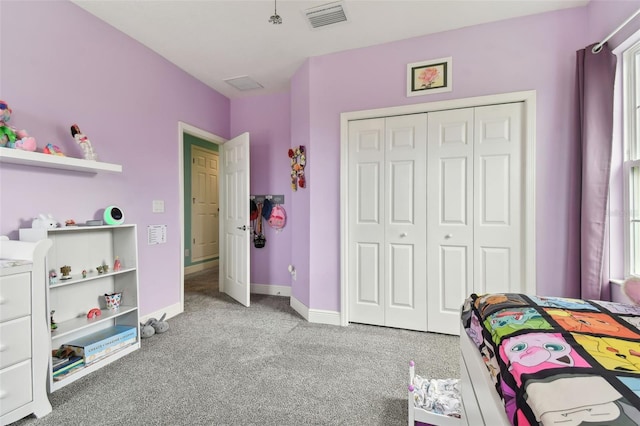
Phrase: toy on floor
{"type": "Point", "coordinates": [153, 326]}
{"type": "Point", "coordinates": [146, 330]}
{"type": "Point", "coordinates": [84, 142]}
{"type": "Point", "coordinates": [160, 326]}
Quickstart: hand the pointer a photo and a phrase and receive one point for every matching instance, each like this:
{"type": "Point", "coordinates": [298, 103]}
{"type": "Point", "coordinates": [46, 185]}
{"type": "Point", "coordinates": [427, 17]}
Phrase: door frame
{"type": "Point", "coordinates": [209, 137]}
{"type": "Point", "coordinates": [528, 182]}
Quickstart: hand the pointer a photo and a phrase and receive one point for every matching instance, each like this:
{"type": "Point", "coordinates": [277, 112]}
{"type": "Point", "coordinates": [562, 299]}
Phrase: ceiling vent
{"type": "Point", "coordinates": [326, 14]}
{"type": "Point", "coordinates": [243, 83]}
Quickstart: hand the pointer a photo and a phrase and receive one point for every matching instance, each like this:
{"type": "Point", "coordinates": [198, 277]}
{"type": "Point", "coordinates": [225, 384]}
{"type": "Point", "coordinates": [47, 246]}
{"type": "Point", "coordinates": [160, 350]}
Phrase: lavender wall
{"type": "Point", "coordinates": [536, 52]}
{"type": "Point", "coordinates": [300, 225]}
{"type": "Point", "coordinates": [267, 119]}
{"type": "Point", "coordinates": [73, 68]}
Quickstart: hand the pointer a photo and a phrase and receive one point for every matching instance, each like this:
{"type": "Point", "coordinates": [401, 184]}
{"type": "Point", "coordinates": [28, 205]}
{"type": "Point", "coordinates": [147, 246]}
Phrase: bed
{"type": "Point", "coordinates": [529, 360]}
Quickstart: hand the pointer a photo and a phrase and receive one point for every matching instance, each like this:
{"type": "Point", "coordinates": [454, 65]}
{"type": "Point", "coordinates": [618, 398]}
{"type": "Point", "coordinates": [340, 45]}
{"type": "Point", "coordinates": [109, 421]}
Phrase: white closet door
{"type": "Point", "coordinates": [498, 199]}
{"type": "Point", "coordinates": [366, 221]}
{"type": "Point", "coordinates": [449, 217]}
{"type": "Point", "coordinates": [405, 222]}
{"type": "Point", "coordinates": [387, 227]}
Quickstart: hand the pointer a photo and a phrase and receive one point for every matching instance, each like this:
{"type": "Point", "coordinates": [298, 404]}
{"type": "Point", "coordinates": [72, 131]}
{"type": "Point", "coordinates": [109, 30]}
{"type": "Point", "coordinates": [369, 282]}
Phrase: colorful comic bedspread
{"type": "Point", "coordinates": [559, 361]}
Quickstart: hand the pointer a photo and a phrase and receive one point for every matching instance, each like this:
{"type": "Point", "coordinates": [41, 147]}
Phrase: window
{"type": "Point", "coordinates": [631, 73]}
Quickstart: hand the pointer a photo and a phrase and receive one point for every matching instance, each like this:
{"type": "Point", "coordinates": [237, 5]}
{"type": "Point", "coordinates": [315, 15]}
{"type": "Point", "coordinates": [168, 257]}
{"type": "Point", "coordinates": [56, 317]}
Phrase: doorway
{"type": "Point", "coordinates": [199, 200]}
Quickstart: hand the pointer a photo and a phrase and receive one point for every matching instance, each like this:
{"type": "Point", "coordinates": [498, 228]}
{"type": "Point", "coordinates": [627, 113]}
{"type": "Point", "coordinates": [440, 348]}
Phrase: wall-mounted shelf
{"type": "Point", "coordinates": [38, 159]}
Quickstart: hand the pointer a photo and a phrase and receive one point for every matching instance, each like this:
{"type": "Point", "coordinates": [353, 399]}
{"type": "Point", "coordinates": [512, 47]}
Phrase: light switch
{"type": "Point", "coordinates": [158, 206]}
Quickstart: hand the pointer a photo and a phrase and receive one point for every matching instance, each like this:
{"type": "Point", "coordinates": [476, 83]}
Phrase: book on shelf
{"type": "Point", "coordinates": [67, 372]}
{"type": "Point", "coordinates": [74, 362]}
{"type": "Point", "coordinates": [68, 362]}
{"type": "Point", "coordinates": [98, 345]}
{"type": "Point", "coordinates": [57, 361]}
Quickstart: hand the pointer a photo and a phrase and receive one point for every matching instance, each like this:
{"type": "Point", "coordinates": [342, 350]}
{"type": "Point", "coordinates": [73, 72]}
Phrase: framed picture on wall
{"type": "Point", "coordinates": [429, 77]}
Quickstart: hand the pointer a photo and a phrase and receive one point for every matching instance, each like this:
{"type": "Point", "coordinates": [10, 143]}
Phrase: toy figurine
{"type": "Point", "coordinates": [84, 273]}
{"type": "Point", "coordinates": [53, 277]}
{"type": "Point", "coordinates": [99, 269]}
{"type": "Point", "coordinates": [117, 265]}
{"type": "Point", "coordinates": [65, 272]}
{"type": "Point", "coordinates": [53, 323]}
{"type": "Point", "coordinates": [84, 142]}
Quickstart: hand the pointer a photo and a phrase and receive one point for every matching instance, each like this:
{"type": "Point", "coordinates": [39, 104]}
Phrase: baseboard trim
{"type": "Point", "coordinates": [192, 269]}
{"type": "Point", "coordinates": [299, 307]}
{"type": "Point", "coordinates": [171, 311]}
{"type": "Point", "coordinates": [318, 316]}
{"type": "Point", "coordinates": [271, 290]}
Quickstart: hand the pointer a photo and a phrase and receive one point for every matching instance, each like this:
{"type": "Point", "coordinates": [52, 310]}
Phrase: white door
{"type": "Point", "coordinates": [498, 199]}
{"type": "Point", "coordinates": [234, 258]}
{"type": "Point", "coordinates": [387, 227]}
{"type": "Point", "coordinates": [366, 221]}
{"type": "Point", "coordinates": [474, 232]}
{"type": "Point", "coordinates": [205, 226]}
{"type": "Point", "coordinates": [449, 217]}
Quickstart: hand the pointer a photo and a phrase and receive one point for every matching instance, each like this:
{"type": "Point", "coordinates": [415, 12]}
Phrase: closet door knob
{"type": "Point", "coordinates": [448, 236]}
{"type": "Point", "coordinates": [242, 228]}
{"type": "Point", "coordinates": [404, 234]}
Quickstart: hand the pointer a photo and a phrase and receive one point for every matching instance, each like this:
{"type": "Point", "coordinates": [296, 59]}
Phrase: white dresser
{"type": "Point", "coordinates": [24, 335]}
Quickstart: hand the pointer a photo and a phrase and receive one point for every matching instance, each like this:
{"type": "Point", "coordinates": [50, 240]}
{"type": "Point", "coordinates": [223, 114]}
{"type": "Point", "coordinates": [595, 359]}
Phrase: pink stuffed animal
{"type": "Point", "coordinates": [631, 288]}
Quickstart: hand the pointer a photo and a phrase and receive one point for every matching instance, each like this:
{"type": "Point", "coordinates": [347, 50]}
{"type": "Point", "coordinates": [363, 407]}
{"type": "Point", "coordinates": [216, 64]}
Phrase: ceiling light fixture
{"type": "Point", "coordinates": [275, 18]}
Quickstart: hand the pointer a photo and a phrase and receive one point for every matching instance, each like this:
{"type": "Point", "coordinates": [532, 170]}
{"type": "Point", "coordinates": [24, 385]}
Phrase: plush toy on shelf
{"type": "Point", "coordinates": [53, 150]}
{"type": "Point", "coordinates": [84, 143]}
{"type": "Point", "coordinates": [9, 136]}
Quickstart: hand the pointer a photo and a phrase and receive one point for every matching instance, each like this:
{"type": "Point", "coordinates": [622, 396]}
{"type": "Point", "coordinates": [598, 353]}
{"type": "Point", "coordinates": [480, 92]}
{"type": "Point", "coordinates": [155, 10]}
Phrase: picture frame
{"type": "Point", "coordinates": [430, 77]}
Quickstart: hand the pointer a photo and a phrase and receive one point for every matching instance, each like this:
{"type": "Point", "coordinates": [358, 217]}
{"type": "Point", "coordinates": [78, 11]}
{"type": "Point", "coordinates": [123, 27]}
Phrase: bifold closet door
{"type": "Point", "coordinates": [387, 222]}
{"type": "Point", "coordinates": [474, 162]}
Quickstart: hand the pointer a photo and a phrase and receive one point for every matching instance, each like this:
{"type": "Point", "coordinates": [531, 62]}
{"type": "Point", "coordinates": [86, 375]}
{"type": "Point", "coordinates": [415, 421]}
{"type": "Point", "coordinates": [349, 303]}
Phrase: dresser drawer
{"type": "Point", "coordinates": [15, 387]}
{"type": "Point", "coordinates": [15, 296]}
{"type": "Point", "coordinates": [15, 341]}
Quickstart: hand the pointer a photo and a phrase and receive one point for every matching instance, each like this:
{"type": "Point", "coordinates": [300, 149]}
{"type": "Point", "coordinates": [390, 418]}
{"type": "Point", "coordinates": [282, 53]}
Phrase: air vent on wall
{"type": "Point", "coordinates": [243, 83]}
{"type": "Point", "coordinates": [326, 14]}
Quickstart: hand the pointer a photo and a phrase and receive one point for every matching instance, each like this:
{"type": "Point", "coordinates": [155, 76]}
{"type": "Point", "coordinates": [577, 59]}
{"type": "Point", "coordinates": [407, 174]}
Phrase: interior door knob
{"type": "Point", "coordinates": [448, 236]}
{"type": "Point", "coordinates": [242, 228]}
{"type": "Point", "coordinates": [404, 234]}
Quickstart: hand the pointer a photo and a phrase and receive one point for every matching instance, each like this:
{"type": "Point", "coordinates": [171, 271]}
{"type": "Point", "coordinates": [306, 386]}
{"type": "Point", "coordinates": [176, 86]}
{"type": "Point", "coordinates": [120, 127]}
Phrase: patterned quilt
{"type": "Point", "coordinates": [559, 361]}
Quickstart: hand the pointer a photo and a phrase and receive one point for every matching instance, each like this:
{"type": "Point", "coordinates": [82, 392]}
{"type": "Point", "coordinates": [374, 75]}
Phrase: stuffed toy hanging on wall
{"type": "Point", "coordinates": [298, 161]}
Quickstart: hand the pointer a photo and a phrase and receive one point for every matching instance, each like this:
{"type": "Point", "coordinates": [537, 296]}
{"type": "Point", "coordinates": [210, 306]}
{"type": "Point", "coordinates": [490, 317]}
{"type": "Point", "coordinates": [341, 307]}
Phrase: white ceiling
{"type": "Point", "coordinates": [215, 40]}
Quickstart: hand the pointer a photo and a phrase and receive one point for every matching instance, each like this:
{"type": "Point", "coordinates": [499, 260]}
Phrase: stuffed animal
{"type": "Point", "coordinates": [9, 136]}
{"type": "Point", "coordinates": [44, 222]}
{"type": "Point", "coordinates": [160, 326]}
{"type": "Point", "coordinates": [146, 330]}
{"type": "Point", "coordinates": [53, 150]}
{"type": "Point", "coordinates": [631, 288]}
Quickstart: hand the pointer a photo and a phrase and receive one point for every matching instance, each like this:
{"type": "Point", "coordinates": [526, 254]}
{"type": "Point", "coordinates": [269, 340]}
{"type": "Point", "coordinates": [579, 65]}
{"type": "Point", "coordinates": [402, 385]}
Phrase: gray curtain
{"type": "Point", "coordinates": [595, 78]}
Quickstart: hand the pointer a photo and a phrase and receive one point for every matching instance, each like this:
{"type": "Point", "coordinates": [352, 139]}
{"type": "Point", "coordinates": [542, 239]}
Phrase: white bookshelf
{"type": "Point", "coordinates": [85, 248]}
{"type": "Point", "coordinates": [38, 159]}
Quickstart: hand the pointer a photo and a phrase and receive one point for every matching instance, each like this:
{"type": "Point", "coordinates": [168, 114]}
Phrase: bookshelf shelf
{"type": "Point", "coordinates": [80, 373]}
{"type": "Point", "coordinates": [84, 248]}
{"type": "Point", "coordinates": [78, 279]}
{"type": "Point", "coordinates": [78, 324]}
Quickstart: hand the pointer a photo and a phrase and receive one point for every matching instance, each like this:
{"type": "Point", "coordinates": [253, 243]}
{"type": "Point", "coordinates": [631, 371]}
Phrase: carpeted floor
{"type": "Point", "coordinates": [223, 364]}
